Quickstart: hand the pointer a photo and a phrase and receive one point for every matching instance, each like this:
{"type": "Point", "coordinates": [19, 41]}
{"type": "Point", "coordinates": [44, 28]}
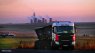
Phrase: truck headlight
{"type": "Point", "coordinates": [57, 43]}
{"type": "Point", "coordinates": [73, 43]}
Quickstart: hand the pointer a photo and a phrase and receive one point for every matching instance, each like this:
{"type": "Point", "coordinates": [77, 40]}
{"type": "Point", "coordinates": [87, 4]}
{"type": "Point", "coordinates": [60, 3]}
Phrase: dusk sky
{"type": "Point", "coordinates": [18, 11]}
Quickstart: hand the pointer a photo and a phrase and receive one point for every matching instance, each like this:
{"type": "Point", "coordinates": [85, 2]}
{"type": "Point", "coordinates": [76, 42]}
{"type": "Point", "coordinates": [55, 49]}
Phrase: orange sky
{"type": "Point", "coordinates": [12, 11]}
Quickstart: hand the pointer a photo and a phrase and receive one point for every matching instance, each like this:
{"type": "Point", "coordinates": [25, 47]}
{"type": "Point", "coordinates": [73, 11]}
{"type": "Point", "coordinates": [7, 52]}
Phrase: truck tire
{"type": "Point", "coordinates": [37, 46]}
{"type": "Point", "coordinates": [42, 45]}
{"type": "Point", "coordinates": [68, 48]}
{"type": "Point", "coordinates": [45, 44]}
{"type": "Point", "coordinates": [54, 46]}
{"type": "Point", "coordinates": [72, 47]}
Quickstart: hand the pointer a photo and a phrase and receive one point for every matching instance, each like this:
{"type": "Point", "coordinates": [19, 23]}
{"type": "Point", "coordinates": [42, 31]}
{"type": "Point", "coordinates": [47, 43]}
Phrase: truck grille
{"type": "Point", "coordinates": [65, 37]}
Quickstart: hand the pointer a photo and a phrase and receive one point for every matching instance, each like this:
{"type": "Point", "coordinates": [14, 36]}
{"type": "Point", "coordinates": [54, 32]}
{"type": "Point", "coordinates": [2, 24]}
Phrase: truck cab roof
{"type": "Point", "coordinates": [63, 23]}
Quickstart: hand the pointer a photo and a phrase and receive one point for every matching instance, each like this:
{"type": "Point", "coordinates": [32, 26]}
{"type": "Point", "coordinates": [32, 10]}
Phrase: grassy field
{"type": "Point", "coordinates": [8, 43]}
{"type": "Point", "coordinates": [82, 43]}
{"type": "Point", "coordinates": [85, 43]}
{"type": "Point", "coordinates": [22, 40]}
{"type": "Point", "coordinates": [13, 43]}
{"type": "Point", "coordinates": [27, 40]}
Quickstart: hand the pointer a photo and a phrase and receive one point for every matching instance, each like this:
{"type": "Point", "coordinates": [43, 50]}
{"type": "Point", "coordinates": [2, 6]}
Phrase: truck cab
{"type": "Point", "coordinates": [63, 34]}
{"type": "Point", "coordinates": [57, 35]}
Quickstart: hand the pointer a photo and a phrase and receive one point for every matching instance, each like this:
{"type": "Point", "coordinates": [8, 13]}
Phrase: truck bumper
{"type": "Point", "coordinates": [64, 45]}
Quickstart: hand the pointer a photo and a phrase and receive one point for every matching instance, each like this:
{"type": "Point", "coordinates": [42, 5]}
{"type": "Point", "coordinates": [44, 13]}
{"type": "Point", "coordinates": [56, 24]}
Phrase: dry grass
{"type": "Point", "coordinates": [82, 43]}
{"type": "Point", "coordinates": [85, 43]}
{"type": "Point", "coordinates": [17, 43]}
{"type": "Point", "coordinates": [25, 40]}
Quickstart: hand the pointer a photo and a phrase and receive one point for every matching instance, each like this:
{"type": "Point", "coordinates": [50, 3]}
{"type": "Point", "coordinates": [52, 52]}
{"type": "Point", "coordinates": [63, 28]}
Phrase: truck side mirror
{"type": "Point", "coordinates": [75, 29]}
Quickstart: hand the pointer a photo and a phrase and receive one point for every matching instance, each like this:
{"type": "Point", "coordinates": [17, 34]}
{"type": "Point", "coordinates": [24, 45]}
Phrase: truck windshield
{"type": "Point", "coordinates": [64, 29]}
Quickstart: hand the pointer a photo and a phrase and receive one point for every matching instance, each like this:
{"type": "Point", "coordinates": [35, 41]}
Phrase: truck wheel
{"type": "Point", "coordinates": [37, 46]}
{"type": "Point", "coordinates": [40, 45]}
{"type": "Point", "coordinates": [54, 47]}
{"type": "Point", "coordinates": [72, 47]}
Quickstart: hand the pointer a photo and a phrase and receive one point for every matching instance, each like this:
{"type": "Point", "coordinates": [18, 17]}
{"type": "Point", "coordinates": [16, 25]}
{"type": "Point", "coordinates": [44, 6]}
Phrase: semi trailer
{"type": "Point", "coordinates": [58, 35]}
